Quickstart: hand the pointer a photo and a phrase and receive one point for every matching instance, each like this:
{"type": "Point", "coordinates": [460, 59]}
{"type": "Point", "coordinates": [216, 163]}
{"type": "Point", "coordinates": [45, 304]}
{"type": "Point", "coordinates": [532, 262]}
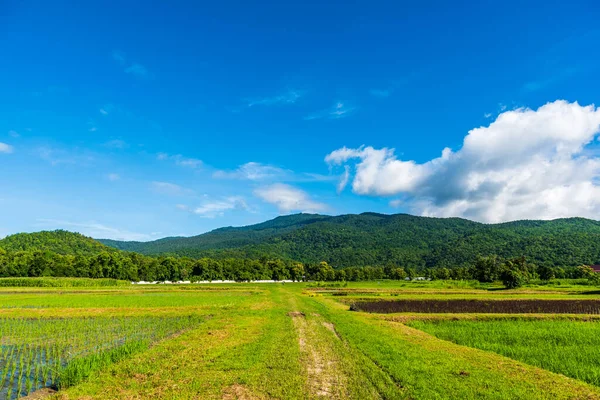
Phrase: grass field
{"type": "Point", "coordinates": [291, 341]}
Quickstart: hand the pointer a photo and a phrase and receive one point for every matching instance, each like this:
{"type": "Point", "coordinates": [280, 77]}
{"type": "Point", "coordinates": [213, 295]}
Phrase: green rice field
{"type": "Point", "coordinates": [291, 341]}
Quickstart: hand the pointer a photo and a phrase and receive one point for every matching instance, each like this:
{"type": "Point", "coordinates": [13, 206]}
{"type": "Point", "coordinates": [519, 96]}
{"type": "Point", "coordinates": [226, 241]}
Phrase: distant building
{"type": "Point", "coordinates": [596, 268]}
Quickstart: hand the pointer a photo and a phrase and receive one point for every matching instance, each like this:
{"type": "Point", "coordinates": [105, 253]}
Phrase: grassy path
{"type": "Point", "coordinates": [283, 344]}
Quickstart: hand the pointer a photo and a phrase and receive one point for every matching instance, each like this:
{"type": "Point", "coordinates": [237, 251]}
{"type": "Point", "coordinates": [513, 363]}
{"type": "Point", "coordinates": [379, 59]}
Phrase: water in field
{"type": "Point", "coordinates": [35, 353]}
{"type": "Point", "coordinates": [25, 369]}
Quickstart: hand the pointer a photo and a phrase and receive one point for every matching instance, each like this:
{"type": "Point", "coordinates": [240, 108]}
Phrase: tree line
{"type": "Point", "coordinates": [136, 267]}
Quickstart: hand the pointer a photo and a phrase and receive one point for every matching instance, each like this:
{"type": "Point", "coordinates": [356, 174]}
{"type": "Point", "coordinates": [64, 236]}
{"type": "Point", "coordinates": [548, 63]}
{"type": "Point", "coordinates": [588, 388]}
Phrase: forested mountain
{"type": "Point", "coordinates": [400, 239]}
{"type": "Point", "coordinates": [222, 238]}
{"type": "Point", "coordinates": [59, 242]}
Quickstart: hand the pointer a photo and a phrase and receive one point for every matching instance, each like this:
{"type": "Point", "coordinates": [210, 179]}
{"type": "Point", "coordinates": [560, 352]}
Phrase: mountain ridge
{"type": "Point", "coordinates": [380, 239]}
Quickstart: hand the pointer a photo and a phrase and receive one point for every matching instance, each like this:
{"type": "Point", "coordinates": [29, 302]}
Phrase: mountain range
{"type": "Point", "coordinates": [366, 239]}
{"type": "Point", "coordinates": [381, 239]}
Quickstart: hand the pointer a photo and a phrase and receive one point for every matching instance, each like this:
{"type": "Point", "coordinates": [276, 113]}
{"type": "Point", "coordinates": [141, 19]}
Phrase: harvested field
{"type": "Point", "coordinates": [524, 306]}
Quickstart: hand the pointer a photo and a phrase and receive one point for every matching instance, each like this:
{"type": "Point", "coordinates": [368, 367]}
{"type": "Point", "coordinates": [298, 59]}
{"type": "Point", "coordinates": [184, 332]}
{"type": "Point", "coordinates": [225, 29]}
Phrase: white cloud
{"type": "Point", "coordinates": [14, 134]}
{"type": "Point", "coordinates": [95, 230]}
{"type": "Point", "coordinates": [113, 177]}
{"type": "Point", "coordinates": [217, 208]}
{"type": "Point", "coordinates": [6, 148]}
{"type": "Point", "coordinates": [252, 171]}
{"type": "Point", "coordinates": [378, 172]}
{"type": "Point", "coordinates": [171, 189]}
{"type": "Point", "coordinates": [288, 198]}
{"type": "Point", "coordinates": [525, 164]}
{"type": "Point", "coordinates": [339, 110]}
{"type": "Point", "coordinates": [289, 97]}
{"type": "Point", "coordinates": [180, 160]}
{"type": "Point", "coordinates": [343, 179]}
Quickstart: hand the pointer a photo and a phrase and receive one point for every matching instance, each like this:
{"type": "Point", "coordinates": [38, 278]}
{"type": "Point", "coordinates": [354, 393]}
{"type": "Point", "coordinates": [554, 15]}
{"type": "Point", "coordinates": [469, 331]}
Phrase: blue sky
{"type": "Point", "coordinates": [127, 121]}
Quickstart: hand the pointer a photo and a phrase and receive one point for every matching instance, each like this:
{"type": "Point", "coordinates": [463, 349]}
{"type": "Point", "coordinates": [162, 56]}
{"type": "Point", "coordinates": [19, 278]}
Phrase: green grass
{"type": "Point", "coordinates": [571, 348]}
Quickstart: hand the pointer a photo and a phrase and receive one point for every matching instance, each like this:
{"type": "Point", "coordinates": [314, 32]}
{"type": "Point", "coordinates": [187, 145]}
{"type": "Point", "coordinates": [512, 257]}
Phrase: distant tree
{"type": "Point", "coordinates": [585, 272]}
{"type": "Point", "coordinates": [487, 269]}
{"type": "Point", "coordinates": [512, 278]}
{"type": "Point", "coordinates": [546, 273]}
{"type": "Point", "coordinates": [516, 272]}
{"type": "Point", "coordinates": [297, 272]}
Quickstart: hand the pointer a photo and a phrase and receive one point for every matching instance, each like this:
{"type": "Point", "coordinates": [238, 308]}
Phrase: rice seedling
{"type": "Point", "coordinates": [38, 353]}
{"type": "Point", "coordinates": [568, 347]}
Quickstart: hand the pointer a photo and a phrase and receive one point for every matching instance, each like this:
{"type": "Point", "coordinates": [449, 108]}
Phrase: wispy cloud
{"type": "Point", "coordinates": [170, 189]}
{"type": "Point", "coordinates": [133, 68]}
{"type": "Point", "coordinates": [58, 156]}
{"type": "Point", "coordinates": [116, 144]}
{"type": "Point", "coordinates": [119, 57]}
{"type": "Point", "coordinates": [106, 109]}
{"type": "Point", "coordinates": [288, 198]}
{"type": "Point", "coordinates": [137, 70]}
{"type": "Point", "coordinates": [312, 177]}
{"type": "Point", "coordinates": [381, 92]}
{"type": "Point", "coordinates": [180, 160]}
{"type": "Point", "coordinates": [6, 148]}
{"type": "Point", "coordinates": [339, 110]}
{"type": "Point", "coordinates": [95, 230]}
{"type": "Point", "coordinates": [289, 97]}
{"type": "Point", "coordinates": [253, 171]}
{"type": "Point", "coordinates": [343, 179]}
{"type": "Point", "coordinates": [14, 134]}
{"type": "Point", "coordinates": [113, 177]}
{"type": "Point", "coordinates": [217, 208]}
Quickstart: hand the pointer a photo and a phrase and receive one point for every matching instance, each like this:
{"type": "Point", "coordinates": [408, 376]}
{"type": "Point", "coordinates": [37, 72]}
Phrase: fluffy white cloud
{"type": "Point", "coordinates": [288, 198]}
{"type": "Point", "coordinates": [525, 164]}
{"type": "Point", "coordinates": [6, 148]}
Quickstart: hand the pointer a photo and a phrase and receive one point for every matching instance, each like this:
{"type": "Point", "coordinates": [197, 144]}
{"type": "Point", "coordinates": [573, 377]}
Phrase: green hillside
{"type": "Point", "coordinates": [222, 238]}
{"type": "Point", "coordinates": [59, 241]}
{"type": "Point", "coordinates": [400, 239]}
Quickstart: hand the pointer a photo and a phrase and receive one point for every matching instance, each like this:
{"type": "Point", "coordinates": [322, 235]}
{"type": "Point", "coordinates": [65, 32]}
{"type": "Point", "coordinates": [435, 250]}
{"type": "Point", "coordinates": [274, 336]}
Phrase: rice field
{"type": "Point", "coordinates": [293, 341]}
{"type": "Point", "coordinates": [36, 353]}
{"type": "Point", "coordinates": [567, 347]}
